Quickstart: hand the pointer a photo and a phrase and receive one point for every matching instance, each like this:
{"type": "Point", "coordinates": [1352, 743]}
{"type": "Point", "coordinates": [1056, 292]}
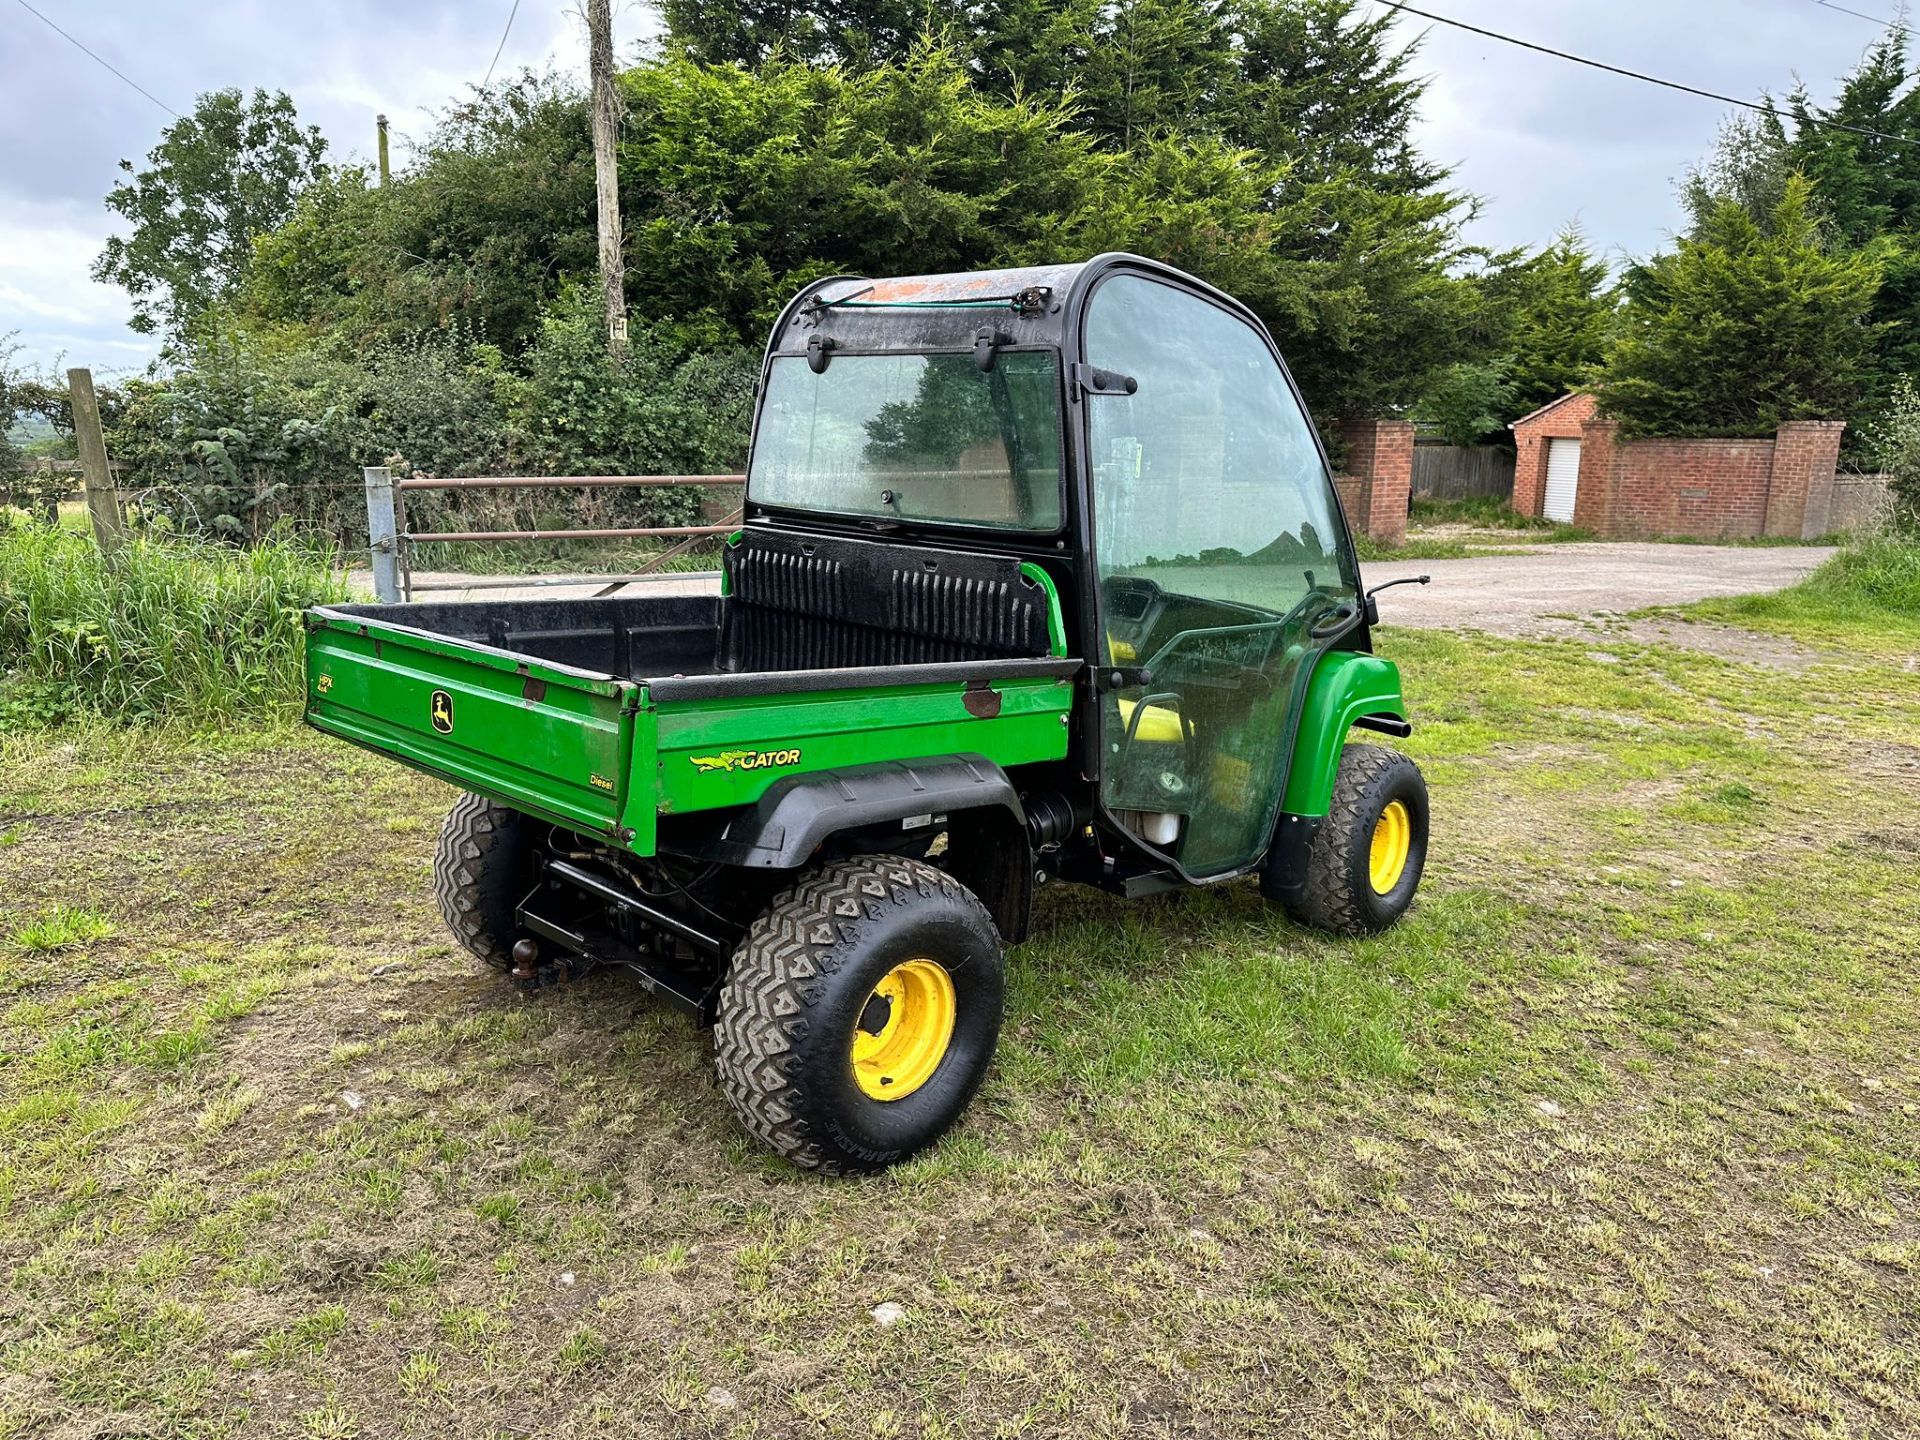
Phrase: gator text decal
{"type": "Point", "coordinates": [745, 759]}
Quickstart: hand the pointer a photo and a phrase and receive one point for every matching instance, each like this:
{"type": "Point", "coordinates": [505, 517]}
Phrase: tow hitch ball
{"type": "Point", "coordinates": [526, 960]}
{"type": "Point", "coordinates": [530, 973]}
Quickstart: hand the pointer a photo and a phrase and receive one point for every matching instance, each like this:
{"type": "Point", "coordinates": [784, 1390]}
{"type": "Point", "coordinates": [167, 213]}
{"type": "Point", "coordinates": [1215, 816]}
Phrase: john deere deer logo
{"type": "Point", "coordinates": [440, 712]}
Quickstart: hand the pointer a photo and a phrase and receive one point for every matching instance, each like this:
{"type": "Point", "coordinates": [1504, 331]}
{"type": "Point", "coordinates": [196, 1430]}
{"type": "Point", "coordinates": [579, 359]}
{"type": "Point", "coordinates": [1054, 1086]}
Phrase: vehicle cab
{"type": "Point", "coordinates": [1134, 435]}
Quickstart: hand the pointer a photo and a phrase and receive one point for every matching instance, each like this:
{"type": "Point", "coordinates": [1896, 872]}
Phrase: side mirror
{"type": "Point", "coordinates": [1373, 606]}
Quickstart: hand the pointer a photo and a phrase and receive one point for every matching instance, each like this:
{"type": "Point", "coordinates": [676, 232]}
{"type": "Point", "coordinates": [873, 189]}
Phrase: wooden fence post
{"type": "Point", "coordinates": [103, 497]}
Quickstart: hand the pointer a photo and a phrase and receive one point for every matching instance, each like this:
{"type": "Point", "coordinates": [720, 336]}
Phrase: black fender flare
{"type": "Point", "coordinates": [799, 813]}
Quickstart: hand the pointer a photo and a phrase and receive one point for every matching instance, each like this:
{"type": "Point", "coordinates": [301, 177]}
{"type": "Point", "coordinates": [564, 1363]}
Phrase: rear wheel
{"type": "Point", "coordinates": [1365, 860]}
{"type": "Point", "coordinates": [481, 873]}
{"type": "Point", "coordinates": [860, 1013]}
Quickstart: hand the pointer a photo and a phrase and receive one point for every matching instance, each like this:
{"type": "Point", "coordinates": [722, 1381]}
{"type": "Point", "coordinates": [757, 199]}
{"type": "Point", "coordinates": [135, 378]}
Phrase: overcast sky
{"type": "Point", "coordinates": [1543, 142]}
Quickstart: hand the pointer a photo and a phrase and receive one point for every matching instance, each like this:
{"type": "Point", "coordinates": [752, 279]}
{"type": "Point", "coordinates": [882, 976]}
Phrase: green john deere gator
{"type": "Point", "coordinates": [1042, 577]}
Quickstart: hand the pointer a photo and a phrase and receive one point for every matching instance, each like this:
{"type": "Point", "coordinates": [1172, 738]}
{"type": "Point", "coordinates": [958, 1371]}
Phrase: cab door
{"type": "Point", "coordinates": [1222, 567]}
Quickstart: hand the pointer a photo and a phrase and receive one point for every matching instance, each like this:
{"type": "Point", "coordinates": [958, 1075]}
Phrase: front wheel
{"type": "Point", "coordinates": [860, 1013]}
{"type": "Point", "coordinates": [1364, 862]}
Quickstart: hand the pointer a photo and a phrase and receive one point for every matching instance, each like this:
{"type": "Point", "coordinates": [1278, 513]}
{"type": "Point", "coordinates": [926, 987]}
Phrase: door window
{"type": "Point", "coordinates": [1219, 549]}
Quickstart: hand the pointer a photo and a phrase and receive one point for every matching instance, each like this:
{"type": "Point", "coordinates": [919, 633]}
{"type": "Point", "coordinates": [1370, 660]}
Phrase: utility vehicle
{"type": "Point", "coordinates": [1042, 576]}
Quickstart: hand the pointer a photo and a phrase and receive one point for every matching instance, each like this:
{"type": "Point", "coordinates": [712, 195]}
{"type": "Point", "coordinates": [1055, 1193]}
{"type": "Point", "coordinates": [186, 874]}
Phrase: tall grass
{"type": "Point", "coordinates": [1485, 512]}
{"type": "Point", "coordinates": [163, 630]}
{"type": "Point", "coordinates": [1874, 579]}
{"type": "Point", "coordinates": [1880, 571]}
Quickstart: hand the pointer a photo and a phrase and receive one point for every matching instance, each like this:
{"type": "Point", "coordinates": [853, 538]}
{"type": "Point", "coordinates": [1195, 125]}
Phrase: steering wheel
{"type": "Point", "coordinates": [1334, 622]}
{"type": "Point", "coordinates": [1225, 674]}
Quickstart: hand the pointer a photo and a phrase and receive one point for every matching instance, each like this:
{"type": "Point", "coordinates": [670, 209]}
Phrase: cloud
{"type": "Point", "coordinates": [47, 296]}
{"type": "Point", "coordinates": [1546, 141]}
{"type": "Point", "coordinates": [65, 123]}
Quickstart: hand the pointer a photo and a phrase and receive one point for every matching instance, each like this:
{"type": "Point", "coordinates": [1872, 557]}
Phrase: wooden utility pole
{"type": "Point", "coordinates": [381, 121]}
{"type": "Point", "coordinates": [606, 174]}
{"type": "Point", "coordinates": [103, 498]}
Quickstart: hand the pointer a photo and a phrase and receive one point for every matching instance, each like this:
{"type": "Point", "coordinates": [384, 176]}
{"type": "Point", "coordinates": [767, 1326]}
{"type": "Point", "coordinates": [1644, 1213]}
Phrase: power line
{"type": "Point", "coordinates": [97, 60]}
{"type": "Point", "coordinates": [1862, 15]}
{"type": "Point", "coordinates": [1637, 75]}
{"type": "Point", "coordinates": [502, 45]}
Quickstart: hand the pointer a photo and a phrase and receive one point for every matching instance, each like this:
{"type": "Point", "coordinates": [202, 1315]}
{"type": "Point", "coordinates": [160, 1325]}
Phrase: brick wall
{"type": "Point", "coordinates": [1379, 477]}
{"type": "Point", "coordinates": [1599, 455]}
{"type": "Point", "coordinates": [1705, 489]}
{"type": "Point", "coordinates": [1701, 489]}
{"type": "Point", "coordinates": [1800, 497]}
{"type": "Point", "coordinates": [1352, 494]}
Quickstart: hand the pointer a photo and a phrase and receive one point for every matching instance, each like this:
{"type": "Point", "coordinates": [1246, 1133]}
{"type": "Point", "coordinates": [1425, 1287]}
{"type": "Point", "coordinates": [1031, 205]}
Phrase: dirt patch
{"type": "Point", "coordinates": [1723, 642]}
{"type": "Point", "coordinates": [1884, 761]}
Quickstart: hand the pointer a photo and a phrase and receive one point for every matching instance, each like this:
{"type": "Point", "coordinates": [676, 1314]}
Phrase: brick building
{"type": "Point", "coordinates": [1571, 465]}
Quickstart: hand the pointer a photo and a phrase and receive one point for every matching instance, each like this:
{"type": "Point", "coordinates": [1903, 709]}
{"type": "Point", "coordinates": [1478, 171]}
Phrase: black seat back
{"type": "Point", "coordinates": [819, 603]}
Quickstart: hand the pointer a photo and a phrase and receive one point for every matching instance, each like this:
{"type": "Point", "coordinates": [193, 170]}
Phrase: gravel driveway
{"type": "Point", "coordinates": [1520, 594]}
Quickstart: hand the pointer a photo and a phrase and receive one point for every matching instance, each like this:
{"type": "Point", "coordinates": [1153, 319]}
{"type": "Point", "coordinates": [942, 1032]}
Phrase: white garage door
{"type": "Point", "coordinates": [1563, 479]}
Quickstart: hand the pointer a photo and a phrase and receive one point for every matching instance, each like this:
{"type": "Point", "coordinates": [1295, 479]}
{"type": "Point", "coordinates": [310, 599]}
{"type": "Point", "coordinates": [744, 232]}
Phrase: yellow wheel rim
{"type": "Point", "coordinates": [1392, 842]}
{"type": "Point", "coordinates": [903, 1030]}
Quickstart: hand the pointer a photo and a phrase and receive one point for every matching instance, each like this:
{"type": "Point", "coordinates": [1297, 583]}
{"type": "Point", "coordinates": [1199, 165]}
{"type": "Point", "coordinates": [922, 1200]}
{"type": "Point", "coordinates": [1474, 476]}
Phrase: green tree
{"type": "Point", "coordinates": [1742, 327]}
{"type": "Point", "coordinates": [1346, 241]}
{"type": "Point", "coordinates": [219, 177]}
{"type": "Point", "coordinates": [1558, 310]}
{"type": "Point", "coordinates": [1369, 298]}
{"type": "Point", "coordinates": [1866, 185]}
{"type": "Point", "coordinates": [1868, 192]}
{"type": "Point", "coordinates": [1135, 68]}
{"type": "Point", "coordinates": [1864, 188]}
{"type": "Point", "coordinates": [36, 421]}
{"type": "Point", "coordinates": [1298, 112]}
{"type": "Point", "coordinates": [747, 32]}
{"type": "Point", "coordinates": [1749, 166]}
{"type": "Point", "coordinates": [480, 230]}
{"type": "Point", "coordinates": [1262, 144]}
{"type": "Point", "coordinates": [1323, 84]}
{"type": "Point", "coordinates": [12, 462]}
{"type": "Point", "coordinates": [740, 186]}
{"type": "Point", "coordinates": [1468, 402]}
{"type": "Point", "coordinates": [1894, 441]}
{"type": "Point", "coordinates": [667, 409]}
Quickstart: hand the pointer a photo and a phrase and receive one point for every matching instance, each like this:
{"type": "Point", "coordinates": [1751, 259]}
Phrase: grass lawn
{"type": "Point", "coordinates": [1617, 1135]}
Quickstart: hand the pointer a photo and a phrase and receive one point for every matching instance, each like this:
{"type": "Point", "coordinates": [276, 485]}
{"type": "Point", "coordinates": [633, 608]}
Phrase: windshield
{"type": "Point", "coordinates": [914, 437]}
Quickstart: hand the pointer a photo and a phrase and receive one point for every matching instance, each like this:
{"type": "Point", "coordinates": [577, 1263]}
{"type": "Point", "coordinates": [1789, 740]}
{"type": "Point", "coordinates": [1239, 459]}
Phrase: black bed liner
{"type": "Point", "coordinates": [629, 637]}
{"type": "Point", "coordinates": [804, 612]}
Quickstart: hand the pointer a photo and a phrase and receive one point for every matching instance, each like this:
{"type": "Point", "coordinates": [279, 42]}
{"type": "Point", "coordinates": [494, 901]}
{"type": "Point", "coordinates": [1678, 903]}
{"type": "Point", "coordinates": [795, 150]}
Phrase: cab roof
{"type": "Point", "coordinates": [1030, 305]}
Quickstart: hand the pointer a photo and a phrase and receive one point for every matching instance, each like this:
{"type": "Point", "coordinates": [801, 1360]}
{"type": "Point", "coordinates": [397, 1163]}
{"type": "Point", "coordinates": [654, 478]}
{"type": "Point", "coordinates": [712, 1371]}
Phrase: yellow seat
{"type": "Point", "coordinates": [1159, 725]}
